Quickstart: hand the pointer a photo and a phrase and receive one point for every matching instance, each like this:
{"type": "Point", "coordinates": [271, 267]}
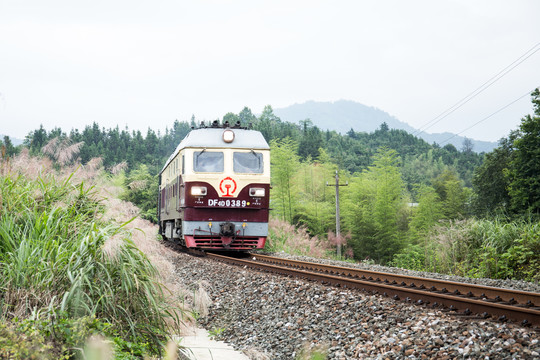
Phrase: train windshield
{"type": "Point", "coordinates": [208, 161]}
{"type": "Point", "coordinates": [248, 162]}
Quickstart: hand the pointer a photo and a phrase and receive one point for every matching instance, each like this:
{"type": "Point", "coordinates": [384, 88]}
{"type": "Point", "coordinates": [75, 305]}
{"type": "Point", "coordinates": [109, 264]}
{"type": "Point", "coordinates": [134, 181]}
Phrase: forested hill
{"type": "Point", "coordinates": [352, 151]}
{"type": "Point", "coordinates": [344, 115]}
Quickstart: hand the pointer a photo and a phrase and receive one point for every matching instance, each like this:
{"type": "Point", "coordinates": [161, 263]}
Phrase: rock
{"type": "Point", "coordinates": [279, 316]}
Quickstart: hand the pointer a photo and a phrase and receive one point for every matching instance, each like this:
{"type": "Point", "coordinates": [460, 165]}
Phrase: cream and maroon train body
{"type": "Point", "coordinates": [214, 190]}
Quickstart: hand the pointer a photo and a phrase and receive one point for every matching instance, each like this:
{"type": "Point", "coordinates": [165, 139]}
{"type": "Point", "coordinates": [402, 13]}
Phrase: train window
{"type": "Point", "coordinates": [248, 162]}
{"type": "Point", "coordinates": [183, 166]}
{"type": "Point", "coordinates": [208, 161]}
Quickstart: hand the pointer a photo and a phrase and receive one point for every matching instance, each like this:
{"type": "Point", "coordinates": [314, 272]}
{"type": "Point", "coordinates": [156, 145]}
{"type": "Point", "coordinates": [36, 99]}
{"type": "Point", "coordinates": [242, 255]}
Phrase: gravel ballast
{"type": "Point", "coordinates": [281, 317]}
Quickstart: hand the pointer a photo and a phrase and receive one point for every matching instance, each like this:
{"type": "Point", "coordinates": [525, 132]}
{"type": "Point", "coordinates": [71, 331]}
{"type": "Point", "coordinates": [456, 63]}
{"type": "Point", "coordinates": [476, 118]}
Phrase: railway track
{"type": "Point", "coordinates": [465, 300]}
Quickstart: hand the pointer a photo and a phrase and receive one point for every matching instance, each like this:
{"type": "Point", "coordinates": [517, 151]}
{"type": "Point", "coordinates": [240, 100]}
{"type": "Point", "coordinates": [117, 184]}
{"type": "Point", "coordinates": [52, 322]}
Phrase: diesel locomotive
{"type": "Point", "coordinates": [214, 189]}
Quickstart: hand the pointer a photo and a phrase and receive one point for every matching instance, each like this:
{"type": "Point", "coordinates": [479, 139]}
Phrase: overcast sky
{"type": "Point", "coordinates": [146, 63]}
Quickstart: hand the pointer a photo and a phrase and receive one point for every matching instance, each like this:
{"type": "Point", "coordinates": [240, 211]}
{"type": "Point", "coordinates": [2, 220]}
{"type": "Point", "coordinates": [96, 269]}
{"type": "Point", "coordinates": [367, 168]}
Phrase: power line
{"type": "Point", "coordinates": [487, 117]}
{"type": "Point", "coordinates": [480, 89]}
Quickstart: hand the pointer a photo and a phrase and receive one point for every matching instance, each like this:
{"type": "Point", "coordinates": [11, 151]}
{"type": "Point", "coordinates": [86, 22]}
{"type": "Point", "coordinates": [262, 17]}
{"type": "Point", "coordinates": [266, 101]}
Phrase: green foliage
{"type": "Point", "coordinates": [311, 140]}
{"type": "Point", "coordinates": [284, 163]}
{"type": "Point", "coordinates": [494, 248]}
{"type": "Point", "coordinates": [358, 217]}
{"type": "Point", "coordinates": [420, 170]}
{"type": "Point", "coordinates": [268, 123]}
{"type": "Point", "coordinates": [36, 139]}
{"type": "Point", "coordinates": [25, 343]}
{"type": "Point", "coordinates": [490, 180]}
{"type": "Point", "coordinates": [53, 260]}
{"type": "Point", "coordinates": [373, 205]}
{"type": "Point", "coordinates": [246, 116]}
{"type": "Point", "coordinates": [215, 332]}
{"type": "Point", "coordinates": [142, 190]}
{"type": "Point", "coordinates": [317, 352]}
{"type": "Point", "coordinates": [68, 334]}
{"type": "Point", "coordinates": [524, 187]}
{"type": "Point", "coordinates": [7, 149]}
{"type": "Point", "coordinates": [316, 202]}
{"type": "Point", "coordinates": [412, 258]}
{"type": "Point", "coordinates": [426, 214]}
{"type": "Point", "coordinates": [231, 118]}
{"type": "Point", "coordinates": [508, 180]}
{"type": "Point", "coordinates": [452, 194]}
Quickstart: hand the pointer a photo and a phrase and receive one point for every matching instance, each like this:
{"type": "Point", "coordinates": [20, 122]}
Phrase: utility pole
{"type": "Point", "coordinates": [338, 232]}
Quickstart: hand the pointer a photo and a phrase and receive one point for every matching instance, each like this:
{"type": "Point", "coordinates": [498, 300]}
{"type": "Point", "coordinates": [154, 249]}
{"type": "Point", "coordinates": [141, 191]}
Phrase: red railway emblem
{"type": "Point", "coordinates": [227, 183]}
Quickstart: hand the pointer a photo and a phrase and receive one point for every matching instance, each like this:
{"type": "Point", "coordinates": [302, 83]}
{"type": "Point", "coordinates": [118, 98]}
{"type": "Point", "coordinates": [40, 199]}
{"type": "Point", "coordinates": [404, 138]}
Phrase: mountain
{"type": "Point", "coordinates": [343, 115]}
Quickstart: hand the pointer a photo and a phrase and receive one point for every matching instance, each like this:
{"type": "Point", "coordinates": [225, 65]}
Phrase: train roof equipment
{"type": "Point", "coordinates": [221, 136]}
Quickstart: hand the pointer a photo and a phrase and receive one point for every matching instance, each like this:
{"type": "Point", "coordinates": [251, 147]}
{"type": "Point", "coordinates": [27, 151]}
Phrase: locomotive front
{"type": "Point", "coordinates": [214, 190]}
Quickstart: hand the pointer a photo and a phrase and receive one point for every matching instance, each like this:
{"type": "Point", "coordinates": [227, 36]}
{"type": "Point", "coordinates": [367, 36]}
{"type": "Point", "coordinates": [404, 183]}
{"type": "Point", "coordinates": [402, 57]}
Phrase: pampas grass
{"type": "Point", "coordinates": [290, 239]}
{"type": "Point", "coordinates": [67, 247]}
{"type": "Point", "coordinates": [116, 169]}
{"type": "Point", "coordinates": [62, 150]}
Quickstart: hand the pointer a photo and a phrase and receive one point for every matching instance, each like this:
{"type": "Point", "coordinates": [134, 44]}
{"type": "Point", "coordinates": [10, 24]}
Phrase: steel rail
{"type": "Point", "coordinates": [419, 294]}
{"type": "Point", "coordinates": [471, 290]}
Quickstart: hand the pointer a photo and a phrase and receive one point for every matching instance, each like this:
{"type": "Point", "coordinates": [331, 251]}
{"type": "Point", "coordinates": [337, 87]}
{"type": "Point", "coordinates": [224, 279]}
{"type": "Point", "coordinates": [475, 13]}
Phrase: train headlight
{"type": "Point", "coordinates": [256, 192]}
{"type": "Point", "coordinates": [198, 190]}
{"type": "Point", "coordinates": [228, 136]}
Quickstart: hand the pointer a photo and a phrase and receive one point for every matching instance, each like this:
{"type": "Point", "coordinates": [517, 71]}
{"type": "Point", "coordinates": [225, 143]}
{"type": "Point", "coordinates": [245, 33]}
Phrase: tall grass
{"type": "Point", "coordinates": [492, 248]}
{"type": "Point", "coordinates": [54, 263]}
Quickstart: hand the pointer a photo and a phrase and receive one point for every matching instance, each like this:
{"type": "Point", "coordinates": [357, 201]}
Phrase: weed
{"type": "Point", "coordinates": [312, 352]}
{"type": "Point", "coordinates": [215, 332]}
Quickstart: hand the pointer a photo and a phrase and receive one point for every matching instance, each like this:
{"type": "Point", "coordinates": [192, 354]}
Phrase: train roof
{"type": "Point", "coordinates": [212, 138]}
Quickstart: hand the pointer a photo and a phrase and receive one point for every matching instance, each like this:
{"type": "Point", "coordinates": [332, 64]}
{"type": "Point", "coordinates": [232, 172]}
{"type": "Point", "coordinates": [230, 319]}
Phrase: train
{"type": "Point", "coordinates": [214, 189]}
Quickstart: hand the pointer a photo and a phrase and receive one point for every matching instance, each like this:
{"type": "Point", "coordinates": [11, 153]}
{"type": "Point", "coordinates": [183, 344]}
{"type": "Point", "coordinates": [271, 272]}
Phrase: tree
{"type": "Point", "coordinates": [36, 140]}
{"type": "Point", "coordinates": [142, 189]}
{"type": "Point", "coordinates": [311, 140]}
{"type": "Point", "coordinates": [421, 170]}
{"type": "Point", "coordinates": [352, 134]}
{"type": "Point", "coordinates": [372, 207]}
{"type": "Point", "coordinates": [231, 118]}
{"type": "Point", "coordinates": [456, 199]}
{"type": "Point", "coordinates": [357, 214]}
{"type": "Point", "coordinates": [10, 150]}
{"type": "Point", "coordinates": [450, 190]}
{"type": "Point", "coordinates": [388, 202]}
{"type": "Point", "coordinates": [426, 214]}
{"type": "Point", "coordinates": [285, 164]}
{"type": "Point", "coordinates": [467, 146]}
{"type": "Point", "coordinates": [246, 116]}
{"type": "Point", "coordinates": [267, 122]}
{"type": "Point", "coordinates": [490, 180]}
{"type": "Point", "coordinates": [524, 187]}
{"type": "Point", "coordinates": [316, 204]}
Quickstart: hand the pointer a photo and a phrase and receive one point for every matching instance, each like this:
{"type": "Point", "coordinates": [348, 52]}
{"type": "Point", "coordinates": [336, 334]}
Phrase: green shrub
{"type": "Point", "coordinates": [496, 248]}
{"type": "Point", "coordinates": [26, 343]}
{"type": "Point", "coordinates": [412, 257]}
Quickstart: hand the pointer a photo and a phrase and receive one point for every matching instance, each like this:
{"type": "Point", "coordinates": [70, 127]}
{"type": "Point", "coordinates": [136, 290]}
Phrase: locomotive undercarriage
{"type": "Point", "coordinates": [229, 235]}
